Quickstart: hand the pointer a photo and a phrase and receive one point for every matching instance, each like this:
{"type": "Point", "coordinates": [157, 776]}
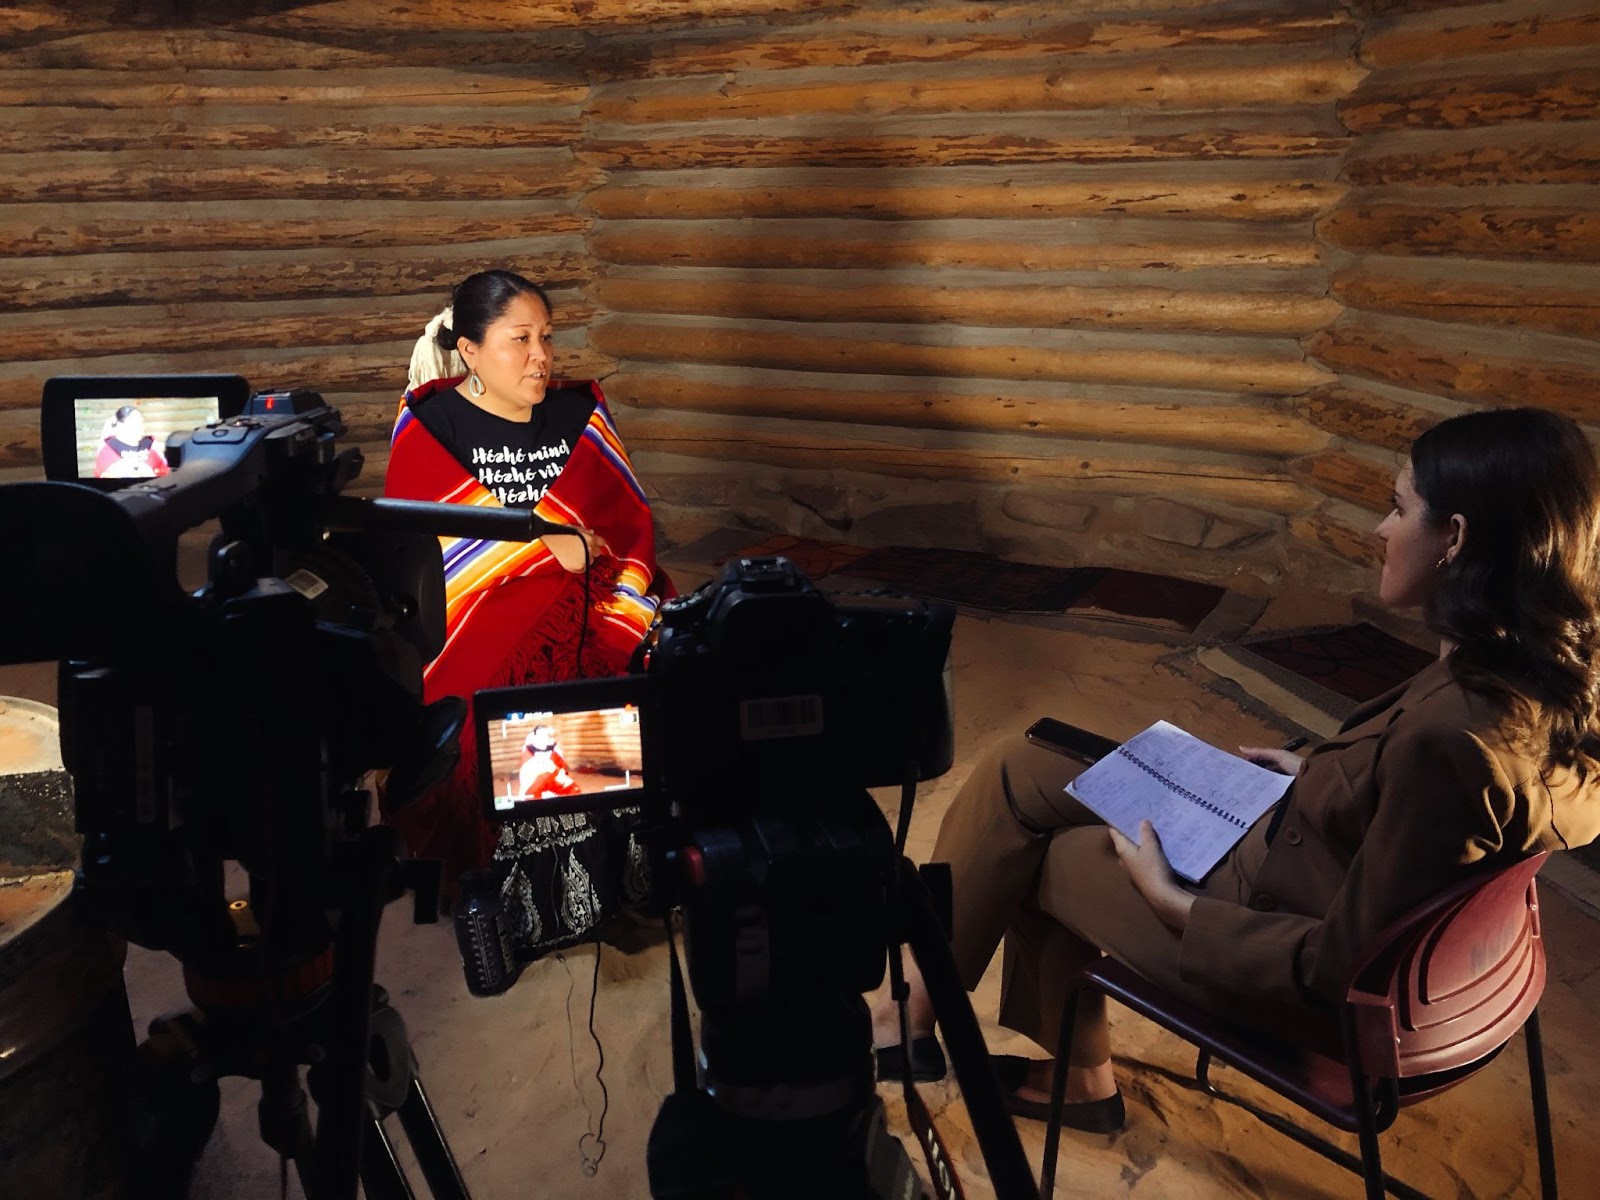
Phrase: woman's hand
{"type": "Point", "coordinates": [1284, 762]}
{"type": "Point", "coordinates": [1147, 866]}
{"type": "Point", "coordinates": [569, 550]}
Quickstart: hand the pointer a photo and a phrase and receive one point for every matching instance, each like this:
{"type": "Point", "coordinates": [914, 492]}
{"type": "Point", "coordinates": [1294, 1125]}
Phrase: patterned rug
{"type": "Point", "coordinates": [984, 581]}
{"type": "Point", "coordinates": [1315, 677]}
{"type": "Point", "coordinates": [1359, 662]}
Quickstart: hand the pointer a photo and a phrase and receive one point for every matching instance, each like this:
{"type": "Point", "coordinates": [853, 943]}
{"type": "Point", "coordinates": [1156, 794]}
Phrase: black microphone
{"type": "Point", "coordinates": [351, 514]}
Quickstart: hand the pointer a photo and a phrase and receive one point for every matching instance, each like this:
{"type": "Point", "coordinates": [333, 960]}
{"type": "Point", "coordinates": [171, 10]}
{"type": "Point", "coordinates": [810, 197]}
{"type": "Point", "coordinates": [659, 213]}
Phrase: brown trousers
{"type": "Point", "coordinates": [1034, 867]}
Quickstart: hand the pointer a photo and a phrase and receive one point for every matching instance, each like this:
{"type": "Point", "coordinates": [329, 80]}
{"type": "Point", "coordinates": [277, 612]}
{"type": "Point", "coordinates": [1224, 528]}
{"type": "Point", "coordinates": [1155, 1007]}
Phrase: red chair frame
{"type": "Point", "coordinates": [1438, 997]}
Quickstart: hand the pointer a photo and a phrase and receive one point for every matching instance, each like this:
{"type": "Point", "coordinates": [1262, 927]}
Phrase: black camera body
{"type": "Point", "coordinates": [786, 692]}
{"type": "Point", "coordinates": [233, 722]}
{"type": "Point", "coordinates": [753, 692]}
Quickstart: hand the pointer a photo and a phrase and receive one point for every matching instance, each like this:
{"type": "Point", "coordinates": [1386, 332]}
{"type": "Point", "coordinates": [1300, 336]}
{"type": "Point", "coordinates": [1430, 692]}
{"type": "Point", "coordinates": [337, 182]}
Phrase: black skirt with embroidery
{"type": "Point", "coordinates": [561, 876]}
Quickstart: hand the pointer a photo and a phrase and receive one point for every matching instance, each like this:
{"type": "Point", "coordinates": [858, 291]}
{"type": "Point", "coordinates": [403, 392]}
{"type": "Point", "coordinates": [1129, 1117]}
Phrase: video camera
{"type": "Point", "coordinates": [759, 712]}
{"type": "Point", "coordinates": [754, 687]}
{"type": "Point", "coordinates": [236, 722]}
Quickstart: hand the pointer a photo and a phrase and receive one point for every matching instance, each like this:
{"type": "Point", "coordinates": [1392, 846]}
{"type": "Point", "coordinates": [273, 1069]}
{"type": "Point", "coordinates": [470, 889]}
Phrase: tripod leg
{"type": "Point", "coordinates": [428, 1144]}
{"type": "Point", "coordinates": [992, 1126]}
{"type": "Point", "coordinates": [178, 1101]}
{"type": "Point", "coordinates": [393, 1086]}
{"type": "Point", "coordinates": [342, 1106]}
{"type": "Point", "coordinates": [381, 1176]}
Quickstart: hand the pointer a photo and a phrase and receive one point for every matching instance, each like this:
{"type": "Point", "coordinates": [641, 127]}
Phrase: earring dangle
{"type": "Point", "coordinates": [476, 388]}
{"type": "Point", "coordinates": [1444, 561]}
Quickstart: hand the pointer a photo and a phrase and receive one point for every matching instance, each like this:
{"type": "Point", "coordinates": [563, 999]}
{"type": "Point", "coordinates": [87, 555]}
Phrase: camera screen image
{"type": "Point", "coordinates": [110, 431]}
{"type": "Point", "coordinates": [545, 758]}
{"type": "Point", "coordinates": [126, 437]}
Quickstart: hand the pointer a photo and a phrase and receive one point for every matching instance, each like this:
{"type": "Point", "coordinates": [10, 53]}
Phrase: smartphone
{"type": "Point", "coordinates": [1069, 740]}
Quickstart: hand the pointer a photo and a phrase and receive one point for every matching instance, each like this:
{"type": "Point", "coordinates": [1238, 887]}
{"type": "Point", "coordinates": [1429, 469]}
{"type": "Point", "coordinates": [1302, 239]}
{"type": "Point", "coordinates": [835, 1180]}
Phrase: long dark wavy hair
{"type": "Point", "coordinates": [1521, 598]}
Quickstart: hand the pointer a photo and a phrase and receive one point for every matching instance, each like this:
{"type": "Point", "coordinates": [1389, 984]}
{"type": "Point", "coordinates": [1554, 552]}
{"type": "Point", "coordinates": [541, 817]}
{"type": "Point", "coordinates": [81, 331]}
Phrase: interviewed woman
{"type": "Point", "coordinates": [484, 423]}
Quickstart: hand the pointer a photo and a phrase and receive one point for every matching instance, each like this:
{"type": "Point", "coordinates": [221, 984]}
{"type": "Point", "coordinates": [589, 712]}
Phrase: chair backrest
{"type": "Point", "coordinates": [1454, 979]}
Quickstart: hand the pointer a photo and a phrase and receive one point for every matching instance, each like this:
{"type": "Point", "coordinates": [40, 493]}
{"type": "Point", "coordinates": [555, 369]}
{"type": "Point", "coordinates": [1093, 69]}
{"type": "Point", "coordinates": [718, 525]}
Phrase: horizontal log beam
{"type": "Point", "coordinates": [517, 16]}
{"type": "Point", "coordinates": [752, 246]}
{"type": "Point", "coordinates": [1571, 311]}
{"type": "Point", "coordinates": [375, 369]}
{"type": "Point", "coordinates": [368, 425]}
{"type": "Point", "coordinates": [1364, 416]}
{"type": "Point", "coordinates": [25, 285]}
{"type": "Point", "coordinates": [46, 20]}
{"type": "Point", "coordinates": [1428, 38]}
{"type": "Point", "coordinates": [631, 339]}
{"type": "Point", "coordinates": [60, 179]}
{"type": "Point", "coordinates": [1390, 8]}
{"type": "Point", "coordinates": [1066, 40]}
{"type": "Point", "coordinates": [179, 50]}
{"type": "Point", "coordinates": [19, 439]}
{"type": "Point", "coordinates": [891, 199]}
{"type": "Point", "coordinates": [768, 443]}
{"type": "Point", "coordinates": [1040, 307]}
{"type": "Point", "coordinates": [1247, 429]}
{"type": "Point", "coordinates": [169, 50]}
{"type": "Point", "coordinates": [393, 88]}
{"type": "Point", "coordinates": [1545, 233]}
{"type": "Point", "coordinates": [48, 130]}
{"type": "Point", "coordinates": [363, 369]}
{"type": "Point", "coordinates": [1385, 102]}
{"type": "Point", "coordinates": [1366, 348]}
{"type": "Point", "coordinates": [163, 230]}
{"type": "Point", "coordinates": [1032, 85]}
{"type": "Point", "coordinates": [1505, 157]}
{"type": "Point", "coordinates": [1347, 477]}
{"type": "Point", "coordinates": [955, 150]}
{"type": "Point", "coordinates": [1334, 536]}
{"type": "Point", "coordinates": [398, 318]}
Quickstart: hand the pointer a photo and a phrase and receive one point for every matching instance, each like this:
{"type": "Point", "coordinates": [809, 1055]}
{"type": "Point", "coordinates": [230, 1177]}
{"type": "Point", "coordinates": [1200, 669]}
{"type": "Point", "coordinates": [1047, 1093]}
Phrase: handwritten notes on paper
{"type": "Point", "coordinates": [1201, 800]}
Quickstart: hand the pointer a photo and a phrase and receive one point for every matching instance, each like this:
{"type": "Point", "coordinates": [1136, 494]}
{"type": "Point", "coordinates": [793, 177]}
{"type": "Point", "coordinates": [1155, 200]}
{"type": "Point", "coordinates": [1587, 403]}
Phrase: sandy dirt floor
{"type": "Point", "coordinates": [513, 1077]}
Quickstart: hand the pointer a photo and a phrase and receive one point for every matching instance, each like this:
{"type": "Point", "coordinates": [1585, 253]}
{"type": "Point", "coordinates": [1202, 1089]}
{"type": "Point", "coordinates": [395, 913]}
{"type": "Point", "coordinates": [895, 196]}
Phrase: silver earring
{"type": "Point", "coordinates": [1444, 561]}
{"type": "Point", "coordinates": [475, 387]}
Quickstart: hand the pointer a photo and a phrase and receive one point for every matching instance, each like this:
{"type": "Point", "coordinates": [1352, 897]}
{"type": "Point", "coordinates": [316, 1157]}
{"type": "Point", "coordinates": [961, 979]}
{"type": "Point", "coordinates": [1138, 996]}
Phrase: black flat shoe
{"type": "Point", "coordinates": [1087, 1116]}
{"type": "Point", "coordinates": [1012, 1069]}
{"type": "Point", "coordinates": [927, 1061]}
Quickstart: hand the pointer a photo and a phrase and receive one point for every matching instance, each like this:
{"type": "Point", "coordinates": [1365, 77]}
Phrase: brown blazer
{"type": "Point", "coordinates": [1418, 790]}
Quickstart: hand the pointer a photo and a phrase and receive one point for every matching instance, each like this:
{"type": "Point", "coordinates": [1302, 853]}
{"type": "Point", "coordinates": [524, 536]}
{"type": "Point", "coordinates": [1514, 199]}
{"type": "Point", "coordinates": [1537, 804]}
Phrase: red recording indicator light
{"type": "Point", "coordinates": [694, 866]}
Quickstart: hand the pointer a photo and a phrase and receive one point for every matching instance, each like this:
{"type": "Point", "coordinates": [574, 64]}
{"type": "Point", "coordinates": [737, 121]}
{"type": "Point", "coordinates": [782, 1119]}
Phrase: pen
{"type": "Point", "coordinates": [1295, 743]}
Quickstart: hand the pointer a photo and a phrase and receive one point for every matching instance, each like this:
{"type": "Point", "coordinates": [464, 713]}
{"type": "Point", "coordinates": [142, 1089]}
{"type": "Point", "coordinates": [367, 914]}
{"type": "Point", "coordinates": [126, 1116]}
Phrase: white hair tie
{"type": "Point", "coordinates": [429, 360]}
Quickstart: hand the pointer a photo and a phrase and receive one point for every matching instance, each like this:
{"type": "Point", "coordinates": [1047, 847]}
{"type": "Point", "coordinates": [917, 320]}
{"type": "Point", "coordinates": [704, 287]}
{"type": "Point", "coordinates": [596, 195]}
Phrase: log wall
{"type": "Point", "coordinates": [1152, 282]}
{"type": "Point", "coordinates": [1466, 253]}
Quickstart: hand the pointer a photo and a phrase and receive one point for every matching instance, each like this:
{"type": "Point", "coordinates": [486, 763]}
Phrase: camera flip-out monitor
{"type": "Point", "coordinates": [108, 431]}
{"type": "Point", "coordinates": [562, 747]}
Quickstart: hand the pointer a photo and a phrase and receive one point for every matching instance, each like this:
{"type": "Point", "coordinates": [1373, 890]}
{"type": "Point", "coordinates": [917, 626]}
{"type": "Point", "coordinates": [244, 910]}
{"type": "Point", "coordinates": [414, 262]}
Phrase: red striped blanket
{"type": "Point", "coordinates": [513, 613]}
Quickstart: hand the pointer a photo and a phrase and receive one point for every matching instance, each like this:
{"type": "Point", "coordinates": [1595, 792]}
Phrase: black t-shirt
{"type": "Point", "coordinates": [516, 460]}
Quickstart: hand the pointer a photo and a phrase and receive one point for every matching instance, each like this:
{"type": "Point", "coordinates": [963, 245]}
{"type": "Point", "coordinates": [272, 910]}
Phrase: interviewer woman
{"type": "Point", "coordinates": [1484, 757]}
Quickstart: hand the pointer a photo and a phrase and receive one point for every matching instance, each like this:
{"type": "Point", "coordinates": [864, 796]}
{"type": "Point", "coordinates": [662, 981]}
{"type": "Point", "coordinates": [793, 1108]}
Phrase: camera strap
{"type": "Point", "coordinates": [684, 1080]}
{"type": "Point", "coordinates": [941, 1170]}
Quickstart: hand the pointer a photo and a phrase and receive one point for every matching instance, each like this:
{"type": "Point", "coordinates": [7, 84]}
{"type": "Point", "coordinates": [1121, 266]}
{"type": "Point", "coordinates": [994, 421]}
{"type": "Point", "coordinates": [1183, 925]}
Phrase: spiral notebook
{"type": "Point", "coordinates": [1201, 800]}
